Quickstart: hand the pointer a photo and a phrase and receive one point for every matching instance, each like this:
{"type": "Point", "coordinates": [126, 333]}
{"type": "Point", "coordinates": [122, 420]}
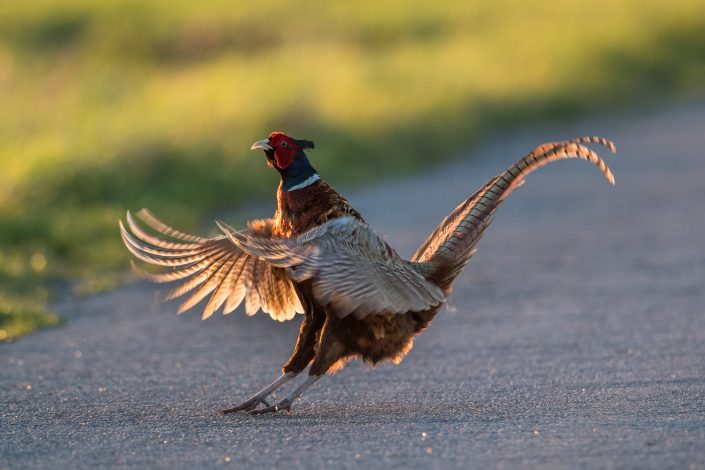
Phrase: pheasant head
{"type": "Point", "coordinates": [287, 156]}
{"type": "Point", "coordinates": [282, 150]}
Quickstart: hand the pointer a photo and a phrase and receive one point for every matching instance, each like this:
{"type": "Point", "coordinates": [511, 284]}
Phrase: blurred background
{"type": "Point", "coordinates": [121, 104]}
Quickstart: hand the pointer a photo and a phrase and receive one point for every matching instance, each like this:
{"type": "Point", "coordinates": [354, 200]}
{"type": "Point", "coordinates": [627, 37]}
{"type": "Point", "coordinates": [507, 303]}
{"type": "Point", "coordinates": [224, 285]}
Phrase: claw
{"type": "Point", "coordinates": [248, 405]}
{"type": "Point", "coordinates": [260, 397]}
{"type": "Point", "coordinates": [285, 404]}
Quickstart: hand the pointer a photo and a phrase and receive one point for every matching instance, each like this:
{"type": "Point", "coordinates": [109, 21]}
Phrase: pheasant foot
{"type": "Point", "coordinates": [260, 397]}
{"type": "Point", "coordinates": [285, 404]}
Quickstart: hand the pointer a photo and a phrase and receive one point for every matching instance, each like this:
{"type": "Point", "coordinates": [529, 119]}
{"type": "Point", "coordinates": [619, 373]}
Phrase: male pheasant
{"type": "Point", "coordinates": [318, 257]}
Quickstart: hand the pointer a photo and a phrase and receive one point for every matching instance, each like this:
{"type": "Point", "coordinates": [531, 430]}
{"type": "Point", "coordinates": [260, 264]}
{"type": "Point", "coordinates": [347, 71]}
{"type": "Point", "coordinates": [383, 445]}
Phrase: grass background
{"type": "Point", "coordinates": [116, 104]}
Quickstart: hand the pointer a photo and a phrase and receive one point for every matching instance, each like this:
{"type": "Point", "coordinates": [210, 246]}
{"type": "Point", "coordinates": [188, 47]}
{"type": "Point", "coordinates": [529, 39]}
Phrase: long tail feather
{"type": "Point", "coordinates": [444, 254]}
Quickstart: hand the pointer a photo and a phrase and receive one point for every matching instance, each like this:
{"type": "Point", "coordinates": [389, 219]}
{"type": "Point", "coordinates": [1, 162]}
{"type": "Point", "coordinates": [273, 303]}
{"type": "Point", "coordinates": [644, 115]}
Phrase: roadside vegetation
{"type": "Point", "coordinates": [119, 104]}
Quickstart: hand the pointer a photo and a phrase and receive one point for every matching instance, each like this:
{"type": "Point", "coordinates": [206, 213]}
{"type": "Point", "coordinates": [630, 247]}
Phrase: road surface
{"type": "Point", "coordinates": [575, 337]}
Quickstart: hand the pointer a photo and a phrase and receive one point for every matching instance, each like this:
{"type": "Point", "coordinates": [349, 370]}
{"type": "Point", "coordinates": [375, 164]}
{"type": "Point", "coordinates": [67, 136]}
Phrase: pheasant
{"type": "Point", "coordinates": [318, 257]}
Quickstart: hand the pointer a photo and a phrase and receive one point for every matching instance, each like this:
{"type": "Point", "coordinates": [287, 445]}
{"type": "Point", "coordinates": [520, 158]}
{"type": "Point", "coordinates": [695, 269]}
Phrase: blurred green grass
{"type": "Point", "coordinates": [122, 104]}
{"type": "Point", "coordinates": [22, 317]}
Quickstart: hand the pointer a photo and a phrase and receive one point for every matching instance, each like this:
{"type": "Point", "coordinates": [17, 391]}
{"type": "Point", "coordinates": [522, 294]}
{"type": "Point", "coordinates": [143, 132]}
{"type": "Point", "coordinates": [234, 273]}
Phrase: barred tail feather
{"type": "Point", "coordinates": [444, 254]}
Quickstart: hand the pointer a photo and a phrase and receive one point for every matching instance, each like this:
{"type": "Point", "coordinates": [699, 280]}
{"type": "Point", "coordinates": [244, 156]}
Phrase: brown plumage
{"type": "Point", "coordinates": [318, 257]}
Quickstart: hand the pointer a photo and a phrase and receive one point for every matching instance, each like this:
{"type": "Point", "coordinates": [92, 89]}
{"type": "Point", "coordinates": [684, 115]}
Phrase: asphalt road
{"type": "Point", "coordinates": [576, 337]}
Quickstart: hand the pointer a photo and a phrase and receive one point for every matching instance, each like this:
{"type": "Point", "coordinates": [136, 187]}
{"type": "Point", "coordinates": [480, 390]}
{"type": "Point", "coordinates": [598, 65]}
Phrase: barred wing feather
{"type": "Point", "coordinates": [212, 267]}
{"type": "Point", "coordinates": [352, 270]}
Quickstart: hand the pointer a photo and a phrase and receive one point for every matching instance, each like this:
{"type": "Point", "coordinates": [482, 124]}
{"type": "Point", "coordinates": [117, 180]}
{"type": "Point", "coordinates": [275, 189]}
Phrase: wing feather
{"type": "Point", "coordinates": [353, 271]}
{"type": "Point", "coordinates": [214, 267]}
{"type": "Point", "coordinates": [212, 281]}
{"type": "Point", "coordinates": [238, 290]}
{"type": "Point", "coordinates": [202, 276]}
{"type": "Point", "coordinates": [252, 302]}
{"type": "Point", "coordinates": [221, 292]}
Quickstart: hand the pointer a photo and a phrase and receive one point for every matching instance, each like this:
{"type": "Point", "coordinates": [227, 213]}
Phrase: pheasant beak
{"type": "Point", "coordinates": [262, 144]}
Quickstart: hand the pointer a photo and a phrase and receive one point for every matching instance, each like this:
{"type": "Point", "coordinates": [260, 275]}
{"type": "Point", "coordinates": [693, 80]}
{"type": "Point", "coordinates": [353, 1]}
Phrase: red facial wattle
{"type": "Point", "coordinates": [284, 149]}
{"type": "Point", "coordinates": [284, 156]}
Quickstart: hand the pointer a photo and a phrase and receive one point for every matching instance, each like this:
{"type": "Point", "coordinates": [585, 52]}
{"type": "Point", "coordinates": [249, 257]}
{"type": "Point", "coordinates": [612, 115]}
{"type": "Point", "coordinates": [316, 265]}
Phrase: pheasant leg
{"type": "Point", "coordinates": [260, 397]}
{"type": "Point", "coordinates": [285, 404]}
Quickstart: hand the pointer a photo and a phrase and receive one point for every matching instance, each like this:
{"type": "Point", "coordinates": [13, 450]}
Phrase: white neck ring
{"type": "Point", "coordinates": [307, 182]}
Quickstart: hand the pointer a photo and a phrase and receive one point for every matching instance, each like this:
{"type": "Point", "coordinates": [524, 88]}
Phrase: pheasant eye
{"type": "Point", "coordinates": [284, 143]}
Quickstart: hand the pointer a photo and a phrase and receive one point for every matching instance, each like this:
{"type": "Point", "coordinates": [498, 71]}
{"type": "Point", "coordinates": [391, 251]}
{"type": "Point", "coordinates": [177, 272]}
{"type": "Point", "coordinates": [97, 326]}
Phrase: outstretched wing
{"type": "Point", "coordinates": [211, 266]}
{"type": "Point", "coordinates": [352, 270]}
